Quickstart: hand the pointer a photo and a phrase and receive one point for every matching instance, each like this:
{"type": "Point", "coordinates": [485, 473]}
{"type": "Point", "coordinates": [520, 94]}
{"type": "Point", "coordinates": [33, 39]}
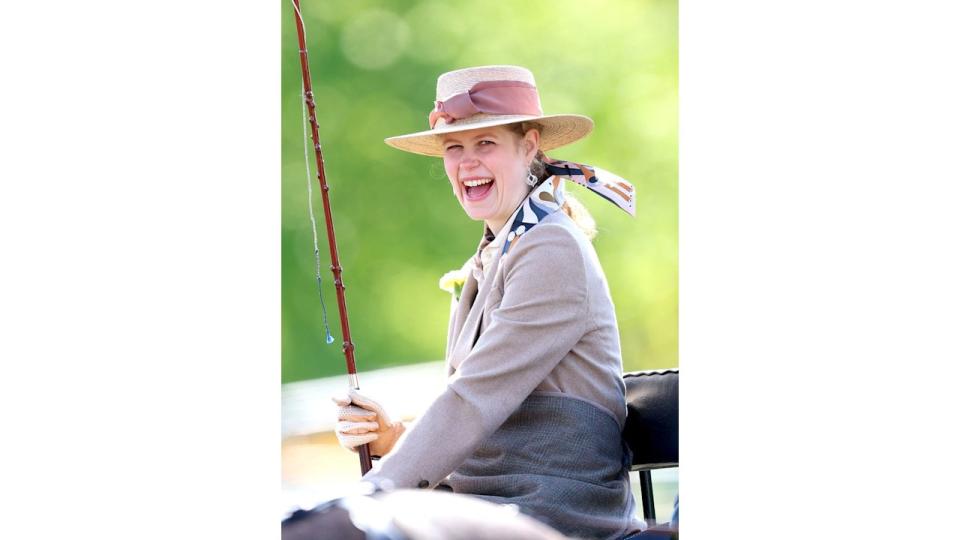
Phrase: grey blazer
{"type": "Point", "coordinates": [541, 321]}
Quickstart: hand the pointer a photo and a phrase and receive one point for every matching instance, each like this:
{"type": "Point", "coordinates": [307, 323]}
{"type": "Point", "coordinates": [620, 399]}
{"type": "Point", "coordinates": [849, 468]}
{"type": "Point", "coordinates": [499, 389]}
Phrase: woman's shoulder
{"type": "Point", "coordinates": [554, 242]}
{"type": "Point", "coordinates": [558, 241]}
{"type": "Point", "coordinates": [557, 228]}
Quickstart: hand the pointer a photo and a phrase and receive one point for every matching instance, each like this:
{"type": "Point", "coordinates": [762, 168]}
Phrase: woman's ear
{"type": "Point", "coordinates": [531, 144]}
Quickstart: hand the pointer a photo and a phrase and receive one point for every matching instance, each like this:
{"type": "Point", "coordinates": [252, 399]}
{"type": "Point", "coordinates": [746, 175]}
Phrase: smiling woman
{"type": "Point", "coordinates": [487, 171]}
{"type": "Point", "coordinates": [533, 357]}
{"type": "Point", "coordinates": [474, 186]}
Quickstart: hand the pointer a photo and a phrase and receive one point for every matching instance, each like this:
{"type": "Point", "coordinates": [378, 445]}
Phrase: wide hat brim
{"type": "Point", "coordinates": [557, 130]}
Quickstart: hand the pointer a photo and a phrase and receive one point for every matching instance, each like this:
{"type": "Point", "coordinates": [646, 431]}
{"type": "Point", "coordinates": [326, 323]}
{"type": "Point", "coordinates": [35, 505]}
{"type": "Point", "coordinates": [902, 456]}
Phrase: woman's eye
{"type": "Point", "coordinates": [452, 147]}
{"type": "Point", "coordinates": [485, 142]}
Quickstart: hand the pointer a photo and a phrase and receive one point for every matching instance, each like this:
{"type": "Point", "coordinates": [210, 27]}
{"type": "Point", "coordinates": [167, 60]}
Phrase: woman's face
{"type": "Point", "coordinates": [487, 168]}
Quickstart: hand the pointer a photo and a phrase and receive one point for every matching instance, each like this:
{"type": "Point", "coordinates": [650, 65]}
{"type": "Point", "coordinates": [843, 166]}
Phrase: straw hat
{"type": "Point", "coordinates": [488, 96]}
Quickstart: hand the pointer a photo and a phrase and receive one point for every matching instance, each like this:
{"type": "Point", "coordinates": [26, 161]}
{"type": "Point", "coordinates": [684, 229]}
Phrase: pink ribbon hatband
{"type": "Point", "coordinates": [491, 97]}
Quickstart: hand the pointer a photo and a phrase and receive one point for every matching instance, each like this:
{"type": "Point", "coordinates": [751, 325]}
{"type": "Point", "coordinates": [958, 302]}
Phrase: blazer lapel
{"type": "Point", "coordinates": [471, 314]}
{"type": "Point", "coordinates": [467, 294]}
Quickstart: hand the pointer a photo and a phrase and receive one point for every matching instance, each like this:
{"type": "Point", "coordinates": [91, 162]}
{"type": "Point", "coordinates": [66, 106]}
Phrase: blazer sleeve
{"type": "Point", "coordinates": [542, 314]}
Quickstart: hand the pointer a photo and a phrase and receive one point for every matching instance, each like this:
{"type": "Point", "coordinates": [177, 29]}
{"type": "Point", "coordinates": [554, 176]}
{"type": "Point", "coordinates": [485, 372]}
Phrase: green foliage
{"type": "Point", "coordinates": [399, 228]}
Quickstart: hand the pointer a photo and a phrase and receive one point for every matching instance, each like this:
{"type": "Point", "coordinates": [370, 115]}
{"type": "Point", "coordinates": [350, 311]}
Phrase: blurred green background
{"type": "Point", "coordinates": [399, 227]}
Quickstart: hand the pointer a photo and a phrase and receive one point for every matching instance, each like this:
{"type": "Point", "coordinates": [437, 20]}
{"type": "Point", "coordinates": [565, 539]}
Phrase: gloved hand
{"type": "Point", "coordinates": [361, 420]}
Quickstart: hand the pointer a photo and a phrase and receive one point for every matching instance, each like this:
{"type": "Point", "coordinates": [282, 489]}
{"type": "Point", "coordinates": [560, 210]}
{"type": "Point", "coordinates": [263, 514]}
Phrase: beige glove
{"type": "Point", "coordinates": [361, 420]}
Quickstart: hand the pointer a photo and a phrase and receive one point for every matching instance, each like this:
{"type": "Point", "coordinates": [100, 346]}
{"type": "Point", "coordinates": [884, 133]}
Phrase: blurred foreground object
{"type": "Point", "coordinates": [414, 515]}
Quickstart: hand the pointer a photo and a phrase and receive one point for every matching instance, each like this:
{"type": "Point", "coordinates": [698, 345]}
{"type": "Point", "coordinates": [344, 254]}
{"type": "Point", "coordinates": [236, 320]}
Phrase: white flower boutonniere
{"type": "Point", "coordinates": [453, 281]}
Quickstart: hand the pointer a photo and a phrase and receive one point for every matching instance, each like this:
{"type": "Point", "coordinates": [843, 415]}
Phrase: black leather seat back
{"type": "Point", "coordinates": [652, 428]}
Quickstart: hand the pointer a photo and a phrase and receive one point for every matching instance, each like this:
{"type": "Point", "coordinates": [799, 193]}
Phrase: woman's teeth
{"type": "Point", "coordinates": [475, 190]}
{"type": "Point", "coordinates": [475, 183]}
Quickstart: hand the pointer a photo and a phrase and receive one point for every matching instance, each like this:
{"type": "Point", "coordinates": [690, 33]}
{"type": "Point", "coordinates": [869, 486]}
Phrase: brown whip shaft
{"type": "Point", "coordinates": [365, 462]}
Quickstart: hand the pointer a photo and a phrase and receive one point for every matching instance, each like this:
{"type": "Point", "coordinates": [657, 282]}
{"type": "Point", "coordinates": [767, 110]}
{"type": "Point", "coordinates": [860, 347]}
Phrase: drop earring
{"type": "Point", "coordinates": [531, 178]}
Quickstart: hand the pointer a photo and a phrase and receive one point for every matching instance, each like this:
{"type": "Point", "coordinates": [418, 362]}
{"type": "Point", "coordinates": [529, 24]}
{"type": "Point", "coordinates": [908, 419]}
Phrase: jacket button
{"type": "Point", "coordinates": [423, 484]}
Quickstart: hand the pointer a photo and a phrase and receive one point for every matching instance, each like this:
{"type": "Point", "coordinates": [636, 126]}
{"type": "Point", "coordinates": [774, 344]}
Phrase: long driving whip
{"type": "Point", "coordinates": [365, 462]}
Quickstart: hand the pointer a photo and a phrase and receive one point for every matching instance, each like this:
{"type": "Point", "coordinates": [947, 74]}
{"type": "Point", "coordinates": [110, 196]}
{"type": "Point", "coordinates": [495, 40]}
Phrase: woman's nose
{"type": "Point", "coordinates": [468, 161]}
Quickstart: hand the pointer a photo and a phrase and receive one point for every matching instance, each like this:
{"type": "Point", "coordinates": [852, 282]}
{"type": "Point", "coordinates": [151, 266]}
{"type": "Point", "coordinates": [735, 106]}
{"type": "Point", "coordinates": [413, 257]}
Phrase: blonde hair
{"type": "Point", "coordinates": [571, 206]}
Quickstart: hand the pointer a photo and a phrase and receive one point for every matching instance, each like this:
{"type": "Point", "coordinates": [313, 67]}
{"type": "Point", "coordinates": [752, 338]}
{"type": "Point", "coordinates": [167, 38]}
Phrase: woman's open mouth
{"type": "Point", "coordinates": [474, 190]}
